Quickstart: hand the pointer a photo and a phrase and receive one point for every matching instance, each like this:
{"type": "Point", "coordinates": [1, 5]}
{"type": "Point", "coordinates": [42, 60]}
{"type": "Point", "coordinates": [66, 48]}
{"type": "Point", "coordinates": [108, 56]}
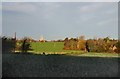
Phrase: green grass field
{"type": "Point", "coordinates": [47, 46]}
{"type": "Point", "coordinates": [57, 48]}
{"type": "Point", "coordinates": [50, 47]}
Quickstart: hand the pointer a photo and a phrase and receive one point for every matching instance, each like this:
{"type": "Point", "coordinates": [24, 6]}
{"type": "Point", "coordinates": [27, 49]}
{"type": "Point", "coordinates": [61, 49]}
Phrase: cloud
{"type": "Point", "coordinates": [100, 13]}
{"type": "Point", "coordinates": [91, 7]}
{"type": "Point", "coordinates": [96, 6]}
{"type": "Point", "coordinates": [46, 9]}
{"type": "Point", "coordinates": [105, 0]}
{"type": "Point", "coordinates": [49, 9]}
{"type": "Point", "coordinates": [60, 19]}
{"type": "Point", "coordinates": [19, 7]}
{"type": "Point", "coordinates": [60, 0]}
{"type": "Point", "coordinates": [102, 23]}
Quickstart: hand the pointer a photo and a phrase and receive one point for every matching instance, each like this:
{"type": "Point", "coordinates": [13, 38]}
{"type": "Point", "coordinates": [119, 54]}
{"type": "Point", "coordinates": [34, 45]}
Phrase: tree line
{"type": "Point", "coordinates": [11, 44]}
{"type": "Point", "coordinates": [92, 45]}
{"type": "Point", "coordinates": [89, 45]}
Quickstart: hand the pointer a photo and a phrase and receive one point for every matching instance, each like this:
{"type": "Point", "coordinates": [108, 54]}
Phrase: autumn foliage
{"type": "Point", "coordinates": [92, 45]}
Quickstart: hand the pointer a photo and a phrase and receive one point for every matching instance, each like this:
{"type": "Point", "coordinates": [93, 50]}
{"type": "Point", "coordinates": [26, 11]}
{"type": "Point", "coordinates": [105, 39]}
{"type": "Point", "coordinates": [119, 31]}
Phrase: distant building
{"type": "Point", "coordinates": [14, 37]}
{"type": "Point", "coordinates": [42, 39]}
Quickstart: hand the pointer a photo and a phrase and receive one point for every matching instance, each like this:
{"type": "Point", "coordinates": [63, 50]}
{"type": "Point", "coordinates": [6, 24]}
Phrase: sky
{"type": "Point", "coordinates": [58, 20]}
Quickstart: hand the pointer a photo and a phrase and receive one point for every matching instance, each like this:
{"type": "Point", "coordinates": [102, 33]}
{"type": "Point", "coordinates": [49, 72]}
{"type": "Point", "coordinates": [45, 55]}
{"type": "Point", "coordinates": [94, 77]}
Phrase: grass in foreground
{"type": "Point", "coordinates": [91, 54]}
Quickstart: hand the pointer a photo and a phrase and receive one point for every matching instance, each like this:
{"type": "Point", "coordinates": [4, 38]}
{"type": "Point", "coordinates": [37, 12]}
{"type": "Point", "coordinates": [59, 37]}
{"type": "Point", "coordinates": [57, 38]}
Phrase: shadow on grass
{"type": "Point", "coordinates": [55, 65]}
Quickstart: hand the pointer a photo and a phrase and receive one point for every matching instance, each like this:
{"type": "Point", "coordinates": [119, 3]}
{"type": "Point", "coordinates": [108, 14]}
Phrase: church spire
{"type": "Point", "coordinates": [14, 36]}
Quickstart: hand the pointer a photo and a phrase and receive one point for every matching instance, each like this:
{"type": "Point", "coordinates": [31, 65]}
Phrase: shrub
{"type": "Point", "coordinates": [96, 45]}
{"type": "Point", "coordinates": [18, 45]}
{"type": "Point", "coordinates": [73, 44]}
{"type": "Point", "coordinates": [118, 47]}
{"type": "Point", "coordinates": [25, 45]}
{"type": "Point", "coordinates": [81, 44]}
{"type": "Point", "coordinates": [8, 44]}
{"type": "Point", "coordinates": [66, 44]}
{"type": "Point", "coordinates": [90, 45]}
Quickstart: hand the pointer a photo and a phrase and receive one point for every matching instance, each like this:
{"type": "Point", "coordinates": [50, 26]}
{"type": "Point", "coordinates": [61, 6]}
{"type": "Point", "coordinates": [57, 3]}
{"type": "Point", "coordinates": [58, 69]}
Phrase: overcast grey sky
{"type": "Point", "coordinates": [57, 20]}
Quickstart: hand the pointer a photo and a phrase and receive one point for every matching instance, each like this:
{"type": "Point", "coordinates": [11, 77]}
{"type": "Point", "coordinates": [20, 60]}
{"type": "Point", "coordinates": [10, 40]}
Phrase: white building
{"type": "Point", "coordinates": [42, 39]}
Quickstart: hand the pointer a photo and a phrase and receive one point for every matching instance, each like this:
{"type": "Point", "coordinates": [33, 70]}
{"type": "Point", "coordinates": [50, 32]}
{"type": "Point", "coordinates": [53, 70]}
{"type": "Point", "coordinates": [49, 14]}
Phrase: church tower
{"type": "Point", "coordinates": [14, 37]}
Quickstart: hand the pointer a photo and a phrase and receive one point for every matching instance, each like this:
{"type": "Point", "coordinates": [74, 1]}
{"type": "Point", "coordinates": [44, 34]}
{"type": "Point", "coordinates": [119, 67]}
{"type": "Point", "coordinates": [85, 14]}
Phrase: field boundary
{"type": "Point", "coordinates": [82, 54]}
